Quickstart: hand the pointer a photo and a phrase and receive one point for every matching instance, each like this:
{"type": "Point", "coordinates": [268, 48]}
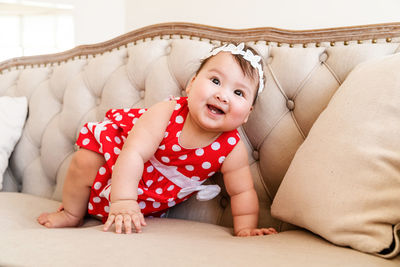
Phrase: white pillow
{"type": "Point", "coordinates": [13, 112]}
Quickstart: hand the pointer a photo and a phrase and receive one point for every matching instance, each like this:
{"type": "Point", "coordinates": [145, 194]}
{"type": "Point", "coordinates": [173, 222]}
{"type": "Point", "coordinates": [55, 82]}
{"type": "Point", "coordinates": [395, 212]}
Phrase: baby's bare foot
{"type": "Point", "coordinates": [59, 219]}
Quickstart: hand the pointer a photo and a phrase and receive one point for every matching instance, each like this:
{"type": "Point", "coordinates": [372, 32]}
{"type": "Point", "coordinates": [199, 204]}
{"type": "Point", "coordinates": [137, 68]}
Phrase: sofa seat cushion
{"type": "Point", "coordinates": [166, 242]}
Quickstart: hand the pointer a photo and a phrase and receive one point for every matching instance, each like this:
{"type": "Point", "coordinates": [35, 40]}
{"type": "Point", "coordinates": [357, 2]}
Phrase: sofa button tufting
{"type": "Point", "coordinates": [290, 104]}
{"type": "Point", "coordinates": [256, 155]}
{"type": "Point", "coordinates": [323, 57]}
{"type": "Point", "coordinates": [168, 50]}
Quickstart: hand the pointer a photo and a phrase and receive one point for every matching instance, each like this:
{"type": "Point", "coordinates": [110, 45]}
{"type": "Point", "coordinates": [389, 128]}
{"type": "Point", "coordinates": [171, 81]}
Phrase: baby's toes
{"type": "Point", "coordinates": [43, 218]}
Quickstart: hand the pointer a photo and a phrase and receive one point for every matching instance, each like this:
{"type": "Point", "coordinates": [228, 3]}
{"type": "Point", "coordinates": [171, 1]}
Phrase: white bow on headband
{"type": "Point", "coordinates": [254, 60]}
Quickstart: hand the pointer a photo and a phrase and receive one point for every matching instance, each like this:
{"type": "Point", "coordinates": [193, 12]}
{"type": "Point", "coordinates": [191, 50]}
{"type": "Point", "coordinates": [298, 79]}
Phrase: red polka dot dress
{"type": "Point", "coordinates": [171, 176]}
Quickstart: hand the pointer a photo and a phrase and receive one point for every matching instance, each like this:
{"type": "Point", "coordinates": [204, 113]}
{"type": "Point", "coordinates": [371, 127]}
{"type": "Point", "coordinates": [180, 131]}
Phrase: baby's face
{"type": "Point", "coordinates": [220, 96]}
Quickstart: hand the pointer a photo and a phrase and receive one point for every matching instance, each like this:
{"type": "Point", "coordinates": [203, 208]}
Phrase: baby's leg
{"type": "Point", "coordinates": [79, 179]}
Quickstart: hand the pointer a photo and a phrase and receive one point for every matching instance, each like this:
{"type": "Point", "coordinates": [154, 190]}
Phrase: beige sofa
{"type": "Point", "coordinates": [303, 70]}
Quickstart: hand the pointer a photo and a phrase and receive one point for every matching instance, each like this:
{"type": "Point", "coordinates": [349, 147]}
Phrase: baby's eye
{"type": "Point", "coordinates": [239, 92]}
{"type": "Point", "coordinates": [216, 81]}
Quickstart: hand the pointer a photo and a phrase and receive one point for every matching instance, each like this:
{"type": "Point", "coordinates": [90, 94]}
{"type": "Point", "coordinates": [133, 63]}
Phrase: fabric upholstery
{"type": "Point", "coordinates": [163, 242]}
{"type": "Point", "coordinates": [344, 180]}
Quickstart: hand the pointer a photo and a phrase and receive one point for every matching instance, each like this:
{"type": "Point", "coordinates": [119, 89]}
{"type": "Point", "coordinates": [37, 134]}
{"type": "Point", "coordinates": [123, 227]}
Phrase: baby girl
{"type": "Point", "coordinates": [140, 162]}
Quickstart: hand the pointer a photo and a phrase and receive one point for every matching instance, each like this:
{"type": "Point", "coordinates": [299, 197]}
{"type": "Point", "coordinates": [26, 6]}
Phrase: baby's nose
{"type": "Point", "coordinates": [222, 98]}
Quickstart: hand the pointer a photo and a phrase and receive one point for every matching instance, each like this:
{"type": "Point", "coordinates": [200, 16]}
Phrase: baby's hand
{"type": "Point", "coordinates": [123, 213]}
{"type": "Point", "coordinates": [252, 232]}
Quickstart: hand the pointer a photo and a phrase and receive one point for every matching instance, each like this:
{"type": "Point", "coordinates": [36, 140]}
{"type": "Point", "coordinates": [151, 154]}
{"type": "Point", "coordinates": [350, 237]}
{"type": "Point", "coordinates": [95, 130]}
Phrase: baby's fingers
{"type": "Point", "coordinates": [118, 223]}
{"type": "Point", "coordinates": [128, 224]}
{"type": "Point", "coordinates": [109, 222]}
{"type": "Point", "coordinates": [268, 231]}
{"type": "Point", "coordinates": [138, 221]}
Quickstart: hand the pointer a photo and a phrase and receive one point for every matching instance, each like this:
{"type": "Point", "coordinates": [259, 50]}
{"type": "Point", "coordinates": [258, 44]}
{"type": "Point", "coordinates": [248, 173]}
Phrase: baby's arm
{"type": "Point", "coordinates": [244, 201]}
{"type": "Point", "coordinates": [139, 147]}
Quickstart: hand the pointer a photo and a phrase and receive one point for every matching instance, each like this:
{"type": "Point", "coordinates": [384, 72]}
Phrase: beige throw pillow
{"type": "Point", "coordinates": [344, 181]}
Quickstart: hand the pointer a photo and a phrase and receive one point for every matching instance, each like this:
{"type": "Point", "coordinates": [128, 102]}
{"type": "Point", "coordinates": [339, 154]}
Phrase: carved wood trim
{"type": "Point", "coordinates": [268, 34]}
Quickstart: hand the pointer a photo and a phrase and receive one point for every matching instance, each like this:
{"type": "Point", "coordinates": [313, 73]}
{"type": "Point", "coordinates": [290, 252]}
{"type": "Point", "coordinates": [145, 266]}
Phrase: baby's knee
{"type": "Point", "coordinates": [86, 160]}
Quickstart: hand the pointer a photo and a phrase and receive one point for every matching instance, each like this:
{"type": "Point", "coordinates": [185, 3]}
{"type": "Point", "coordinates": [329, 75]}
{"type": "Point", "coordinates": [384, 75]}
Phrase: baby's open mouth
{"type": "Point", "coordinates": [215, 110]}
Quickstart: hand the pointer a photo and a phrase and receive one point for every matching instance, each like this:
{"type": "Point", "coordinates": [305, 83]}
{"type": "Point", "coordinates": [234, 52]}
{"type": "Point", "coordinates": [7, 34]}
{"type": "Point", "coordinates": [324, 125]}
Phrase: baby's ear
{"type": "Point", "coordinates": [246, 119]}
{"type": "Point", "coordinates": [189, 85]}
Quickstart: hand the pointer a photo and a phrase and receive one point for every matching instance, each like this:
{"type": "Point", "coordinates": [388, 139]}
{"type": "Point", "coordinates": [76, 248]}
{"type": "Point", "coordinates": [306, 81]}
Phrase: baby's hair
{"type": "Point", "coordinates": [244, 64]}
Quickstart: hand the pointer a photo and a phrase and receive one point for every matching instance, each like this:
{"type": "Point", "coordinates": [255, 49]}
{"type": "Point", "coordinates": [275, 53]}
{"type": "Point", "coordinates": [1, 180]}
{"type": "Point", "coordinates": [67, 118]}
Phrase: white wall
{"type": "Point", "coordinates": [98, 20]}
{"type": "Point", "coordinates": [95, 20]}
{"type": "Point", "coordinates": [101, 20]}
{"type": "Point", "coordinates": [287, 14]}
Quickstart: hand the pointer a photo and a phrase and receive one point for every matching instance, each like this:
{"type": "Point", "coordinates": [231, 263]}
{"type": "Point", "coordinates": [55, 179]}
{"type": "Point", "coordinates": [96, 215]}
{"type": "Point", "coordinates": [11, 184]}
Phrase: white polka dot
{"type": "Point", "coordinates": [171, 187]}
{"type": "Point", "coordinates": [206, 165]}
{"type": "Point", "coordinates": [117, 140]}
{"type": "Point", "coordinates": [215, 146]}
{"type": "Point", "coordinates": [231, 141]}
{"type": "Point", "coordinates": [160, 178]}
{"type": "Point", "coordinates": [142, 205]}
{"type": "Point", "coordinates": [176, 148]}
{"type": "Point", "coordinates": [179, 119]}
{"type": "Point", "coordinates": [199, 152]}
{"type": "Point", "coordinates": [86, 141]}
{"type": "Point", "coordinates": [96, 200]}
{"type": "Point", "coordinates": [126, 110]}
{"type": "Point", "coordinates": [108, 139]}
{"type": "Point", "coordinates": [97, 185]}
{"type": "Point", "coordinates": [107, 209]}
{"type": "Point", "coordinates": [221, 159]}
{"type": "Point", "coordinates": [117, 150]}
{"type": "Point", "coordinates": [150, 199]}
{"type": "Point", "coordinates": [102, 170]}
{"type": "Point", "coordinates": [189, 167]}
{"type": "Point", "coordinates": [99, 215]}
{"type": "Point", "coordinates": [183, 157]}
{"type": "Point", "coordinates": [177, 106]}
{"type": "Point", "coordinates": [165, 159]}
{"type": "Point", "coordinates": [90, 206]}
{"type": "Point", "coordinates": [195, 178]}
{"type": "Point", "coordinates": [140, 191]}
{"type": "Point", "coordinates": [156, 205]}
{"type": "Point", "coordinates": [84, 130]}
{"type": "Point", "coordinates": [149, 183]}
{"type": "Point", "coordinates": [118, 117]}
{"type": "Point", "coordinates": [165, 134]}
{"type": "Point", "coordinates": [150, 169]}
{"type": "Point", "coordinates": [162, 147]}
{"type": "Point", "coordinates": [107, 156]}
{"type": "Point", "coordinates": [211, 174]}
{"type": "Point", "coordinates": [159, 191]}
{"type": "Point", "coordinates": [141, 111]}
{"type": "Point", "coordinates": [134, 120]}
{"type": "Point", "coordinates": [178, 134]}
{"type": "Point", "coordinates": [115, 126]}
{"type": "Point", "coordinates": [171, 203]}
{"type": "Point", "coordinates": [131, 115]}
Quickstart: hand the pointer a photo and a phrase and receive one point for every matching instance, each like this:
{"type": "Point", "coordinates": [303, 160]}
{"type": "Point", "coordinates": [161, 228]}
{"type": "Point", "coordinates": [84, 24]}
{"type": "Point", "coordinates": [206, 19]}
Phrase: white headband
{"type": "Point", "coordinates": [247, 55]}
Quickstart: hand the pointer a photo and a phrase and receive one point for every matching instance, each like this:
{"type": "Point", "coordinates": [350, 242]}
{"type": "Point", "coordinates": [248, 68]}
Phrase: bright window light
{"type": "Point", "coordinates": [27, 30]}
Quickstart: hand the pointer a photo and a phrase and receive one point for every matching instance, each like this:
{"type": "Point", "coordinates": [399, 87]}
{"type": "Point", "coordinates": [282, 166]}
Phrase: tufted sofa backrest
{"type": "Point", "coordinates": [303, 70]}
